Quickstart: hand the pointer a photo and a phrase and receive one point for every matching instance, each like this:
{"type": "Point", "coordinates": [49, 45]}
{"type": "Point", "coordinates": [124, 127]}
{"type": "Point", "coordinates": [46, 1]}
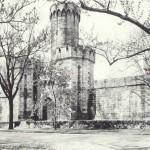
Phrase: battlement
{"type": "Point", "coordinates": [64, 18]}
{"type": "Point", "coordinates": [120, 82]}
{"type": "Point", "coordinates": [64, 9]}
{"type": "Point", "coordinates": [79, 52]}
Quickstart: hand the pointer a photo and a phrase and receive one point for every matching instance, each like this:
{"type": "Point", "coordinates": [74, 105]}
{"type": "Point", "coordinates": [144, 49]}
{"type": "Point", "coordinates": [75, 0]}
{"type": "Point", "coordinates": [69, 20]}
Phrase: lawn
{"type": "Point", "coordinates": [75, 140]}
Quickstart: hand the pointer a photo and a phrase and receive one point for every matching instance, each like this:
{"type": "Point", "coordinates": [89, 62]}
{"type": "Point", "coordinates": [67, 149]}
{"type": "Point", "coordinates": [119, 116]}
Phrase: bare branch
{"type": "Point", "coordinates": [99, 3]}
{"type": "Point", "coordinates": [117, 14]}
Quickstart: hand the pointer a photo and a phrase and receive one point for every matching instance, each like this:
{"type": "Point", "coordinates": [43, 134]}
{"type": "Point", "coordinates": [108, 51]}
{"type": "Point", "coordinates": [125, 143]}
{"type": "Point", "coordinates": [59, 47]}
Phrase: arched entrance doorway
{"type": "Point", "coordinates": [44, 116]}
{"type": "Point", "coordinates": [46, 105]}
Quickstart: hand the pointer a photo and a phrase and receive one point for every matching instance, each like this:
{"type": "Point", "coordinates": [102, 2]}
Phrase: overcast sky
{"type": "Point", "coordinates": [107, 28]}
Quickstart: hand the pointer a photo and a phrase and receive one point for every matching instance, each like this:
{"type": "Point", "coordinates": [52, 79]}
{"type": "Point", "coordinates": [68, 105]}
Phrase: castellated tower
{"type": "Point", "coordinates": [65, 20]}
{"type": "Point", "coordinates": [79, 60]}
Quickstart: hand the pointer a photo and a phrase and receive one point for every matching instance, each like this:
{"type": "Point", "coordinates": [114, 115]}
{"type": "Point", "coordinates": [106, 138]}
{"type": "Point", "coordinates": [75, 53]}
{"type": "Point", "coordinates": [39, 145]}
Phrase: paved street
{"type": "Point", "coordinates": [76, 140]}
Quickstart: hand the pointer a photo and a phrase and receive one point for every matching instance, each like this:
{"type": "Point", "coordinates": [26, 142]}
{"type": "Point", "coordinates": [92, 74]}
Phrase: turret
{"type": "Point", "coordinates": [65, 20]}
{"type": "Point", "coordinates": [78, 59]}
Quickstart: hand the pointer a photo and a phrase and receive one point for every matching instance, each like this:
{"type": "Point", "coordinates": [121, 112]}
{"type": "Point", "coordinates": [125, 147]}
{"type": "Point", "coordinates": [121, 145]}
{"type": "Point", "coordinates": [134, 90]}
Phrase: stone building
{"type": "Point", "coordinates": [122, 99]}
{"type": "Point", "coordinates": [115, 99]}
{"type": "Point", "coordinates": [65, 49]}
{"type": "Point", "coordinates": [77, 59]}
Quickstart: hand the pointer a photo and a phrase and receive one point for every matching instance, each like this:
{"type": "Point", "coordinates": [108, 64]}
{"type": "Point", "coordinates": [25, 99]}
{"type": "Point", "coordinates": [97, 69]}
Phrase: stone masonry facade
{"type": "Point", "coordinates": [115, 99]}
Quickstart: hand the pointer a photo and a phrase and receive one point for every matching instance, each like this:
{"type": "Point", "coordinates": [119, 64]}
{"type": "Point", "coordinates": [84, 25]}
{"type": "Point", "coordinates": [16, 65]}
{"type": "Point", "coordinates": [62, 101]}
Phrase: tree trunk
{"type": "Point", "coordinates": [11, 113]}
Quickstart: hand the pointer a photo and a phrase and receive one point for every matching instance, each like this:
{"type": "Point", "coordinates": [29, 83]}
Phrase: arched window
{"type": "Point", "coordinates": [93, 54]}
{"type": "Point", "coordinates": [73, 13]}
{"type": "Point", "coordinates": [79, 17]}
{"type": "Point", "coordinates": [75, 48]}
{"type": "Point", "coordinates": [44, 114]}
{"type": "Point", "coordinates": [67, 48]}
{"type": "Point", "coordinates": [59, 50]}
{"type": "Point", "coordinates": [63, 13]}
{"type": "Point", "coordinates": [68, 12]}
{"type": "Point", "coordinates": [58, 13]}
{"type": "Point", "coordinates": [54, 13]}
{"type": "Point", "coordinates": [51, 16]}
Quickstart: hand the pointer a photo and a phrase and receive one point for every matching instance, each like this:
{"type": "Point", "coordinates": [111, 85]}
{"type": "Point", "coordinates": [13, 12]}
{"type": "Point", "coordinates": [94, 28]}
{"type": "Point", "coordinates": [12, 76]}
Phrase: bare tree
{"type": "Point", "coordinates": [15, 12]}
{"type": "Point", "coordinates": [130, 11]}
{"type": "Point", "coordinates": [17, 44]}
{"type": "Point", "coordinates": [55, 92]}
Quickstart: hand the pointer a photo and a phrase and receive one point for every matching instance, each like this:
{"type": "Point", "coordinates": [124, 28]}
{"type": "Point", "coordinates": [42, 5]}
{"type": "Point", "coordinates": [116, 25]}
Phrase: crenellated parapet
{"type": "Point", "coordinates": [64, 20]}
{"type": "Point", "coordinates": [120, 82]}
{"type": "Point", "coordinates": [87, 53]}
{"type": "Point", "coordinates": [64, 9]}
{"type": "Point", "coordinates": [80, 52]}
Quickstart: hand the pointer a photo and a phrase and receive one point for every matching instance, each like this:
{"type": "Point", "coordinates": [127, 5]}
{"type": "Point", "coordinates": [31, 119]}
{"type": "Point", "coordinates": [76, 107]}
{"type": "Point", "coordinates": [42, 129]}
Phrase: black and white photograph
{"type": "Point", "coordinates": [74, 74]}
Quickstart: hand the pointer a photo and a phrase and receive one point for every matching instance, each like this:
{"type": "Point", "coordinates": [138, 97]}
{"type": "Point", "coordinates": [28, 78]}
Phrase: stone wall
{"type": "Point", "coordinates": [28, 91]}
{"type": "Point", "coordinates": [122, 99]}
{"type": "Point", "coordinates": [83, 58]}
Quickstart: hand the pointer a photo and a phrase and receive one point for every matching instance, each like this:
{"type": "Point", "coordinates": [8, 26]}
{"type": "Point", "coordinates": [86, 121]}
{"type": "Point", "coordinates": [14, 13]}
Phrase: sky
{"type": "Point", "coordinates": [106, 28]}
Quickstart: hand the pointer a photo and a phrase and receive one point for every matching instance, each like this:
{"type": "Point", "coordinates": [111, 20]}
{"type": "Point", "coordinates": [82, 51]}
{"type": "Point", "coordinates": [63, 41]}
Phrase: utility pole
{"type": "Point", "coordinates": [78, 94]}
